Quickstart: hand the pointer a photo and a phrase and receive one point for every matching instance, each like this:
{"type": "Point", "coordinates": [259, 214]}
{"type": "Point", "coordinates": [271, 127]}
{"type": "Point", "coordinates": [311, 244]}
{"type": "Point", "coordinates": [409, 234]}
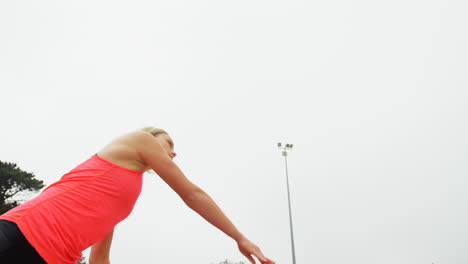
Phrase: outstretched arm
{"type": "Point", "coordinates": [195, 198]}
{"type": "Point", "coordinates": [202, 203]}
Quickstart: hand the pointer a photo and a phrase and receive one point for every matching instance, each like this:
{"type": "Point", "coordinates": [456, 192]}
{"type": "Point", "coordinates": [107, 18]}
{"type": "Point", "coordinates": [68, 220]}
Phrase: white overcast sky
{"type": "Point", "coordinates": [373, 95]}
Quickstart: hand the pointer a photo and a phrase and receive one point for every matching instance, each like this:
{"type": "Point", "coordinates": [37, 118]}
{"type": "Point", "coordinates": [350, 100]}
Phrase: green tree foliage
{"type": "Point", "coordinates": [13, 180]}
{"type": "Point", "coordinates": [82, 260]}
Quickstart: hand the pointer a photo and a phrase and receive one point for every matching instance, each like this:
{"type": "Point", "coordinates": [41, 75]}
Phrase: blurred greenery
{"type": "Point", "coordinates": [14, 181]}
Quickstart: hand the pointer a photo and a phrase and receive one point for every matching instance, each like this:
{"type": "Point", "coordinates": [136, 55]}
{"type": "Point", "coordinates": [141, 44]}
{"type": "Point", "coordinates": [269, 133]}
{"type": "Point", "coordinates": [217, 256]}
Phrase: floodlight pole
{"type": "Point", "coordinates": [285, 154]}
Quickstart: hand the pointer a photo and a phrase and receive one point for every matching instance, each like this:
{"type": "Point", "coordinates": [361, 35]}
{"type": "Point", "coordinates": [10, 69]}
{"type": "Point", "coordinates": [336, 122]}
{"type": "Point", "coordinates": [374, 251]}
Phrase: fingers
{"type": "Point", "coordinates": [250, 258]}
{"type": "Point", "coordinates": [247, 255]}
{"type": "Point", "coordinates": [268, 261]}
{"type": "Point", "coordinates": [262, 258]}
{"type": "Point", "coordinates": [248, 249]}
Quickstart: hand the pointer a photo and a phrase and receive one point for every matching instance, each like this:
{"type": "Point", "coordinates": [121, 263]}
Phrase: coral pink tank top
{"type": "Point", "coordinates": [78, 210]}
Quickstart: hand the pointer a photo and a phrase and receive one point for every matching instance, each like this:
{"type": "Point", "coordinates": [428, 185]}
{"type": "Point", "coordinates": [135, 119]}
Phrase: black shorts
{"type": "Point", "coordinates": [14, 248]}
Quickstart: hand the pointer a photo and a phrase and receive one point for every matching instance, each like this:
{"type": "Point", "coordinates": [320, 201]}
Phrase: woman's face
{"type": "Point", "coordinates": [166, 142]}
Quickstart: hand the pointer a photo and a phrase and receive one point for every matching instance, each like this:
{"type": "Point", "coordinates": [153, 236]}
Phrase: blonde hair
{"type": "Point", "coordinates": [153, 131]}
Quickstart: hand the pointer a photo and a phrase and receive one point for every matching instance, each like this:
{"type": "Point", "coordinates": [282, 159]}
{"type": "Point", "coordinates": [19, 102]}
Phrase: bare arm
{"type": "Point", "coordinates": [194, 197]}
{"type": "Point", "coordinates": [101, 250]}
{"type": "Point", "coordinates": [153, 154]}
{"type": "Point", "coordinates": [202, 203]}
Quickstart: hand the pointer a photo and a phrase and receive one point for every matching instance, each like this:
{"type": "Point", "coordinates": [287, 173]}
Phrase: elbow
{"type": "Point", "coordinates": [193, 195]}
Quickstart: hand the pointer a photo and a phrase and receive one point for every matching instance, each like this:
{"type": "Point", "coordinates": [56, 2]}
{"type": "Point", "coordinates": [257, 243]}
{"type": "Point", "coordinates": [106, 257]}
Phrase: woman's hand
{"type": "Point", "coordinates": [248, 249]}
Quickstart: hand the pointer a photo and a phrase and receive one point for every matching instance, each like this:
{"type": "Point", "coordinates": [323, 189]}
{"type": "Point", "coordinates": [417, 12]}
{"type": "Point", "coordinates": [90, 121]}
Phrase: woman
{"type": "Point", "coordinates": [82, 208]}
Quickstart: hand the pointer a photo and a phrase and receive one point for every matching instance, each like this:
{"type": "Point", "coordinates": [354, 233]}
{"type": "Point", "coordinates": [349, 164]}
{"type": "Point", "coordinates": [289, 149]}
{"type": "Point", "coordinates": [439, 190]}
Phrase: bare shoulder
{"type": "Point", "coordinates": [123, 150]}
{"type": "Point", "coordinates": [140, 136]}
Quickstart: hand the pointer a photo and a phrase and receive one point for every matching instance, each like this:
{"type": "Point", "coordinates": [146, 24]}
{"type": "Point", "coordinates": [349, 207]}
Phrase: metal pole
{"type": "Point", "coordinates": [285, 154]}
